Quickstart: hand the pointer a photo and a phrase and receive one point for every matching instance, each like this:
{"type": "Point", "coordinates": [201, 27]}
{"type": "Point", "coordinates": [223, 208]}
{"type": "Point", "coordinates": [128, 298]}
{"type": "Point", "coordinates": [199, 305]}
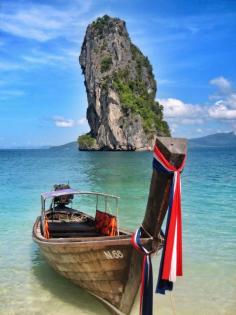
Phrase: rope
{"type": "Point", "coordinates": [172, 302]}
{"type": "Point", "coordinates": [147, 232]}
{"type": "Point", "coordinates": [146, 292]}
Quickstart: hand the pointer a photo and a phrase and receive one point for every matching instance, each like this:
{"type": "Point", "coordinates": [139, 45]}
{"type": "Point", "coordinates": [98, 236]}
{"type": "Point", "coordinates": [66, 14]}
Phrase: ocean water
{"type": "Point", "coordinates": [29, 286]}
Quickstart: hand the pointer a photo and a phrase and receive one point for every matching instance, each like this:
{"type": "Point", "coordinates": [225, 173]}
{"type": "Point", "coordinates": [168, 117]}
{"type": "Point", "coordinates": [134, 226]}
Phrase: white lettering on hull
{"type": "Point", "coordinates": [114, 254]}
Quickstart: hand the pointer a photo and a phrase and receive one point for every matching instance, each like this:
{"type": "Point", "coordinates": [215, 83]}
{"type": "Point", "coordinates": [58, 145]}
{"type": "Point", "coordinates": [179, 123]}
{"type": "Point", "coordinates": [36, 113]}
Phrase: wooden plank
{"type": "Point", "coordinates": [109, 275]}
{"type": "Point", "coordinates": [89, 256]}
{"type": "Point", "coordinates": [133, 282]}
{"type": "Point", "coordinates": [92, 267]}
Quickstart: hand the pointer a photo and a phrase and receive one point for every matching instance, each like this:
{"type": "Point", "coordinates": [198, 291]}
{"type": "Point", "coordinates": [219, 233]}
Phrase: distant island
{"type": "Point", "coordinates": [67, 146]}
{"type": "Point", "coordinates": [217, 140]}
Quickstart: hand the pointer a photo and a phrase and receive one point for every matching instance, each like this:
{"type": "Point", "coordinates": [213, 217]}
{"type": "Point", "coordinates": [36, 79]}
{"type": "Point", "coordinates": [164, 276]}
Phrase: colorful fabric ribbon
{"type": "Point", "coordinates": [171, 261]}
{"type": "Point", "coordinates": [146, 292]}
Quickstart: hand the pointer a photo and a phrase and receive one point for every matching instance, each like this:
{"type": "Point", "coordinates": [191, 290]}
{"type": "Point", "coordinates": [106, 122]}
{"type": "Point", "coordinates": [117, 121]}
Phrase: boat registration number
{"type": "Point", "coordinates": [113, 254]}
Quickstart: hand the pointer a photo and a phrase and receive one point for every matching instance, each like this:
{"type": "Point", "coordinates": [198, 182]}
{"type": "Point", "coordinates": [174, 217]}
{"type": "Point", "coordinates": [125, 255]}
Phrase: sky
{"type": "Point", "coordinates": [191, 45]}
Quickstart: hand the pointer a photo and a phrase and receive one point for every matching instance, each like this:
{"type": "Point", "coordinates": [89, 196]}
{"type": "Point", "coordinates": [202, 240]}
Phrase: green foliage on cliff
{"type": "Point", "coordinates": [106, 64]}
{"type": "Point", "coordinates": [142, 62]}
{"type": "Point", "coordinates": [134, 96]}
{"type": "Point", "coordinates": [86, 141]}
{"type": "Point", "coordinates": [100, 23]}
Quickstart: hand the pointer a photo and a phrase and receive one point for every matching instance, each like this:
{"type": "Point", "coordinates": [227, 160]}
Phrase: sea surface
{"type": "Point", "coordinates": [29, 286]}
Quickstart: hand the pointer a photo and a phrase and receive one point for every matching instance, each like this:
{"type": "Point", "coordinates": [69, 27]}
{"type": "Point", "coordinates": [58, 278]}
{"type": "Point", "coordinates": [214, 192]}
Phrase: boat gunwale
{"type": "Point", "coordinates": [85, 241]}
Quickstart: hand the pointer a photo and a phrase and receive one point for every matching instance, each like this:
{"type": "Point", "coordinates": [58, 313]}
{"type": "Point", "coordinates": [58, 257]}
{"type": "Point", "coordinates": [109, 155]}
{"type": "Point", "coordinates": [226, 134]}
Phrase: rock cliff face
{"type": "Point", "coordinates": [120, 85]}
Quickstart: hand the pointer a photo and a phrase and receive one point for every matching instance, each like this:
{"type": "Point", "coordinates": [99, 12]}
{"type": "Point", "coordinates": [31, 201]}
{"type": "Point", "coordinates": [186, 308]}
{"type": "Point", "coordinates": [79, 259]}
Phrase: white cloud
{"type": "Point", "coordinates": [62, 122]}
{"type": "Point", "coordinates": [174, 108]}
{"type": "Point", "coordinates": [10, 93]}
{"type": "Point", "coordinates": [63, 56]}
{"type": "Point", "coordinates": [42, 22]}
{"type": "Point", "coordinates": [223, 85]}
{"type": "Point", "coordinates": [173, 127]}
{"type": "Point", "coordinates": [192, 121]}
{"type": "Point", "coordinates": [9, 66]}
{"type": "Point", "coordinates": [178, 112]}
{"type": "Point", "coordinates": [222, 107]}
{"type": "Point", "coordinates": [221, 111]}
{"type": "Point", "coordinates": [231, 100]}
{"type": "Point", "coordinates": [225, 106]}
{"type": "Point", "coordinates": [38, 57]}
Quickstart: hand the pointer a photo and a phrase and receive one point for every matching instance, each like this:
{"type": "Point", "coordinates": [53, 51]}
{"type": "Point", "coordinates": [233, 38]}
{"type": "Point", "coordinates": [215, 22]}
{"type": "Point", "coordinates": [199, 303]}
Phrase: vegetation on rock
{"type": "Point", "coordinates": [142, 62]}
{"type": "Point", "coordinates": [134, 96]}
{"type": "Point", "coordinates": [86, 141]}
{"type": "Point", "coordinates": [106, 64]}
{"type": "Point", "coordinates": [99, 24]}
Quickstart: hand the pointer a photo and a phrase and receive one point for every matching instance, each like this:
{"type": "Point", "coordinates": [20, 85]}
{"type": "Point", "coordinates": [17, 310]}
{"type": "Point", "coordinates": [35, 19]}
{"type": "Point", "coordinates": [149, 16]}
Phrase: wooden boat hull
{"type": "Point", "coordinates": [109, 268]}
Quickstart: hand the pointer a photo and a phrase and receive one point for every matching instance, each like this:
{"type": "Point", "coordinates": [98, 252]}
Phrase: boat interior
{"type": "Point", "coordinates": [67, 222]}
{"type": "Point", "coordinates": [61, 220]}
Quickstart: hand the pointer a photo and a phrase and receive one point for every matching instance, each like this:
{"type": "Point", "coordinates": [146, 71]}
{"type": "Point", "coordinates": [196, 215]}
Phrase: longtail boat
{"type": "Point", "coordinates": [93, 251]}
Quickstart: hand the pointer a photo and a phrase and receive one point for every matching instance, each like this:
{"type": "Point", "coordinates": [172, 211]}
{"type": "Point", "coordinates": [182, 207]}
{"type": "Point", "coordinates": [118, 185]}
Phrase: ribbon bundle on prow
{"type": "Point", "coordinates": [171, 261]}
{"type": "Point", "coordinates": [146, 292]}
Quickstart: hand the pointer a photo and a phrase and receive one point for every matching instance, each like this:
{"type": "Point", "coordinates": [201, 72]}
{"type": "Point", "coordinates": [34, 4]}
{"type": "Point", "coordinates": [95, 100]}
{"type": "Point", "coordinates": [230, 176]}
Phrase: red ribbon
{"type": "Point", "coordinates": [173, 246]}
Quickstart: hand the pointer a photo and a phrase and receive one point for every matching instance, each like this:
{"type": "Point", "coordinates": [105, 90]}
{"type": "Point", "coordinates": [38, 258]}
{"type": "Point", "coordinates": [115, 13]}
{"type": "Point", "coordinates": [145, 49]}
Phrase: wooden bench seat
{"type": "Point", "coordinates": [71, 229]}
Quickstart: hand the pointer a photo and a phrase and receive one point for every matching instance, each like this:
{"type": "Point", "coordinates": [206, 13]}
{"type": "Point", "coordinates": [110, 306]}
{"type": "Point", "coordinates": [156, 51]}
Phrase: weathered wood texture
{"type": "Point", "coordinates": [109, 269]}
{"type": "Point", "coordinates": [174, 151]}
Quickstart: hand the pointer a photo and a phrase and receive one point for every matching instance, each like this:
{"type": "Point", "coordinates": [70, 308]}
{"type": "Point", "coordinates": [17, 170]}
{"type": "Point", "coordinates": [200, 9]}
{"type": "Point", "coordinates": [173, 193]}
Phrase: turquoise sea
{"type": "Point", "coordinates": [29, 286]}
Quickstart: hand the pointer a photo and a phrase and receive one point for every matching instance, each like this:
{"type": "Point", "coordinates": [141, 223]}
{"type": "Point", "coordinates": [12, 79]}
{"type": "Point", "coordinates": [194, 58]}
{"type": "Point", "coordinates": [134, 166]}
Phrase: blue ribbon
{"type": "Point", "coordinates": [146, 293]}
{"type": "Point", "coordinates": [163, 285]}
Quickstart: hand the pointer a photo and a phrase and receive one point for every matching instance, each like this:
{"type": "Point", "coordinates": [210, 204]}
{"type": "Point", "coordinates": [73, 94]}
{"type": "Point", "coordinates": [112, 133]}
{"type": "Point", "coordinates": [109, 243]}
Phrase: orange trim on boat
{"type": "Point", "coordinates": [46, 229]}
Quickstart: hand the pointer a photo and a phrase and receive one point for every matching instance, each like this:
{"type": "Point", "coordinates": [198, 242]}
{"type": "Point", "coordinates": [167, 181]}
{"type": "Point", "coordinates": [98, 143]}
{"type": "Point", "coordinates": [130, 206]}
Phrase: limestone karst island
{"type": "Point", "coordinates": [121, 89]}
